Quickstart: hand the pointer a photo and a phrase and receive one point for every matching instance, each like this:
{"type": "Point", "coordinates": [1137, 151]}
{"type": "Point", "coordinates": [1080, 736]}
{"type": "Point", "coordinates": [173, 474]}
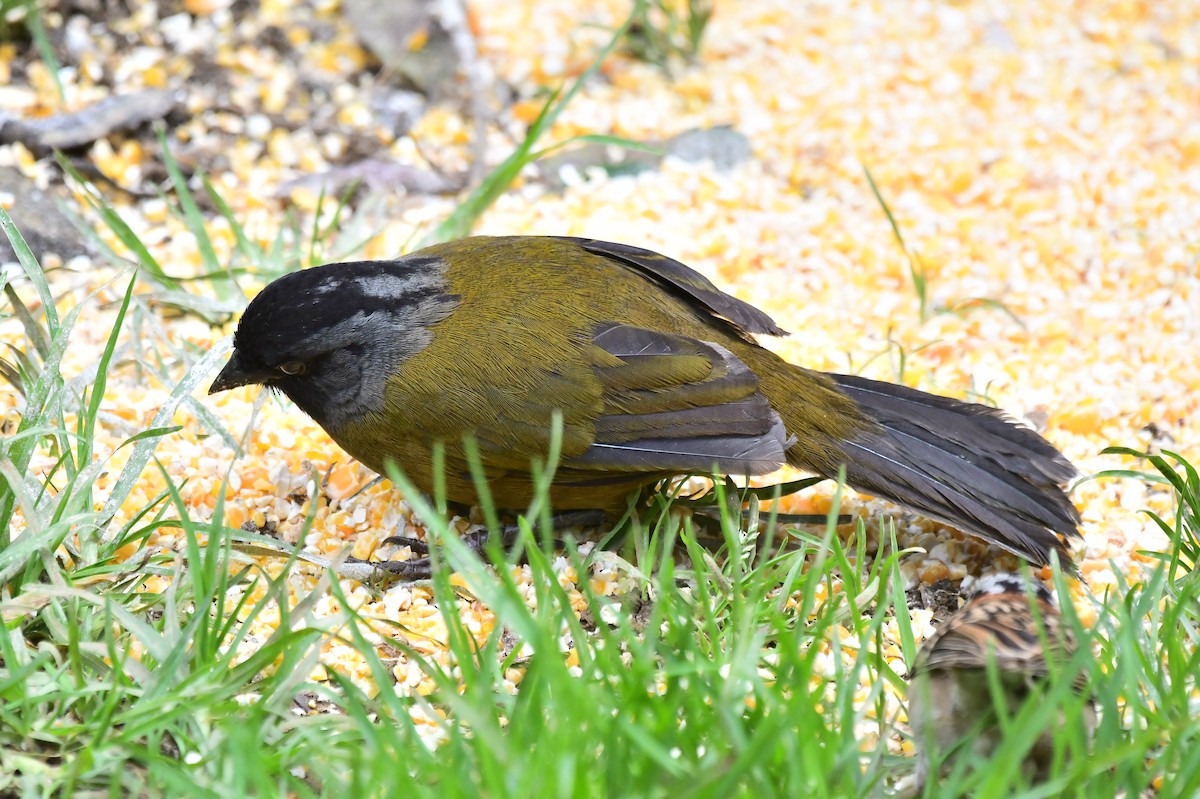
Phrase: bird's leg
{"type": "Point", "coordinates": [421, 568]}
{"type": "Point", "coordinates": [415, 544]}
{"type": "Point", "coordinates": [420, 546]}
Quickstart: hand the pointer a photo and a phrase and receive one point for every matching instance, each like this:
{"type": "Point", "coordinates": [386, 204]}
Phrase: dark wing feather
{"type": "Point", "coordinates": [675, 404]}
{"type": "Point", "coordinates": [965, 464]}
{"type": "Point", "coordinates": [680, 279]}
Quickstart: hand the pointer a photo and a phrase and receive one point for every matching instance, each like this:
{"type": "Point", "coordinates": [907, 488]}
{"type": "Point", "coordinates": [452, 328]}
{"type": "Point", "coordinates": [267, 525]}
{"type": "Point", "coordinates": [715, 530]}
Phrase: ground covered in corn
{"type": "Point", "coordinates": [1041, 162]}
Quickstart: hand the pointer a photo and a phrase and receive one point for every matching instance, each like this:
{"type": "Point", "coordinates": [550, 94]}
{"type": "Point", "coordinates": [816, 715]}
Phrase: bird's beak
{"type": "Point", "coordinates": [233, 375]}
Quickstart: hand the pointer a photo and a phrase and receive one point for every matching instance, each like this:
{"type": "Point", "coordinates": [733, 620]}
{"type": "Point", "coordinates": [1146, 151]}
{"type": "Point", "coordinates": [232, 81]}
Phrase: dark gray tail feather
{"type": "Point", "coordinates": [964, 464]}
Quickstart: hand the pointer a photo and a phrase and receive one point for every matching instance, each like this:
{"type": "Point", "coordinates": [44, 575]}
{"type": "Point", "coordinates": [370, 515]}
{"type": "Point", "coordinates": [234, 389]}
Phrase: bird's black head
{"type": "Point", "coordinates": [330, 337]}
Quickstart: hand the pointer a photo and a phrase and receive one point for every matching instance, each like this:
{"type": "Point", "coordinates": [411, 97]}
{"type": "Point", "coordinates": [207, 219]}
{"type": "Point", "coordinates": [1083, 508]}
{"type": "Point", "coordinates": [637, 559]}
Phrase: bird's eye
{"type": "Point", "coordinates": [292, 368]}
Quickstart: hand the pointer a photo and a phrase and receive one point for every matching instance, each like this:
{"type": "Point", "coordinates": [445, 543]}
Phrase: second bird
{"type": "Point", "coordinates": [654, 370]}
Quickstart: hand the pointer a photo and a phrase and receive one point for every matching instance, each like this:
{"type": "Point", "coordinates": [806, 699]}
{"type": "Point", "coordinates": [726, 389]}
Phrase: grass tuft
{"type": "Point", "coordinates": [662, 31]}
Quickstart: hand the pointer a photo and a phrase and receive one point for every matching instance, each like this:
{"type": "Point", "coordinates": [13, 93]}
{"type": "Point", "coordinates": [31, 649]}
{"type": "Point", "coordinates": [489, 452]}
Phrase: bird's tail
{"type": "Point", "coordinates": [964, 464]}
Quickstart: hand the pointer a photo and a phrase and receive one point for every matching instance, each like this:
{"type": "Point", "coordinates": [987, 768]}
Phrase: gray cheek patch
{"type": "Point", "coordinates": [366, 349]}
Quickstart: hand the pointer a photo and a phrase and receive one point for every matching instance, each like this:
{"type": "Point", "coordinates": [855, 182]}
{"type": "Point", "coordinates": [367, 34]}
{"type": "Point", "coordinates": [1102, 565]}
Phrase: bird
{"type": "Point", "coordinates": [1008, 621]}
{"type": "Point", "coordinates": [653, 370]}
